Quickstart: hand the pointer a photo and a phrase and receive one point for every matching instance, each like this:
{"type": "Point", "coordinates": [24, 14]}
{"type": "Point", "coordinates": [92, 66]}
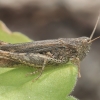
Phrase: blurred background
{"type": "Point", "coordinates": [49, 19]}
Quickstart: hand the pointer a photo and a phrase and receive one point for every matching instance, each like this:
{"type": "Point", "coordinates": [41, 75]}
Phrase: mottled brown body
{"type": "Point", "coordinates": [46, 52]}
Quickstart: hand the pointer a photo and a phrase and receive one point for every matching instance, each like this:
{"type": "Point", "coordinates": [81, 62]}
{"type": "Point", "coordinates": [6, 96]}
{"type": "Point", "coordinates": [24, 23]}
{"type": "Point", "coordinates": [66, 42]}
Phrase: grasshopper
{"type": "Point", "coordinates": [48, 52]}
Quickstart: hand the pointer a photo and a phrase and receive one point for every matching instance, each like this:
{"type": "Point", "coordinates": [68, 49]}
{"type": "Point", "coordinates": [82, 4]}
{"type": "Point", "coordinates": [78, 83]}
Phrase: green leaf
{"type": "Point", "coordinates": [11, 37]}
{"type": "Point", "coordinates": [56, 82]}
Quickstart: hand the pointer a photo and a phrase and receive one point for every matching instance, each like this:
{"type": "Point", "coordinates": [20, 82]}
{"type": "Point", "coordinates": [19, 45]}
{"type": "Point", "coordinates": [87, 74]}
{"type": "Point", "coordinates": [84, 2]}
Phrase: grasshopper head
{"type": "Point", "coordinates": [86, 42]}
{"type": "Point", "coordinates": [83, 45]}
{"type": "Point", "coordinates": [78, 47]}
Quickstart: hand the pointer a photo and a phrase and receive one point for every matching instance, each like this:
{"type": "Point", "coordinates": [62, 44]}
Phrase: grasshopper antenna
{"type": "Point", "coordinates": [94, 31]}
{"type": "Point", "coordinates": [95, 28]}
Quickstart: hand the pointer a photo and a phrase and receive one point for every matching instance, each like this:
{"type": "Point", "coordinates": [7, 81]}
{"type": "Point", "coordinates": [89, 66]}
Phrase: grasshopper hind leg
{"type": "Point", "coordinates": [5, 62]}
{"type": "Point", "coordinates": [31, 59]}
{"type": "Point", "coordinates": [41, 71]}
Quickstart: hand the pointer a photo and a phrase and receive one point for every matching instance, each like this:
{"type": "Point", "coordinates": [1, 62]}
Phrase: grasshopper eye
{"type": "Point", "coordinates": [88, 40]}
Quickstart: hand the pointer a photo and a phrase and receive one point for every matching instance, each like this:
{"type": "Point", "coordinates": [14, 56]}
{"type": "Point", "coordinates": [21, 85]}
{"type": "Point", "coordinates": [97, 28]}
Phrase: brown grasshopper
{"type": "Point", "coordinates": [47, 52]}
